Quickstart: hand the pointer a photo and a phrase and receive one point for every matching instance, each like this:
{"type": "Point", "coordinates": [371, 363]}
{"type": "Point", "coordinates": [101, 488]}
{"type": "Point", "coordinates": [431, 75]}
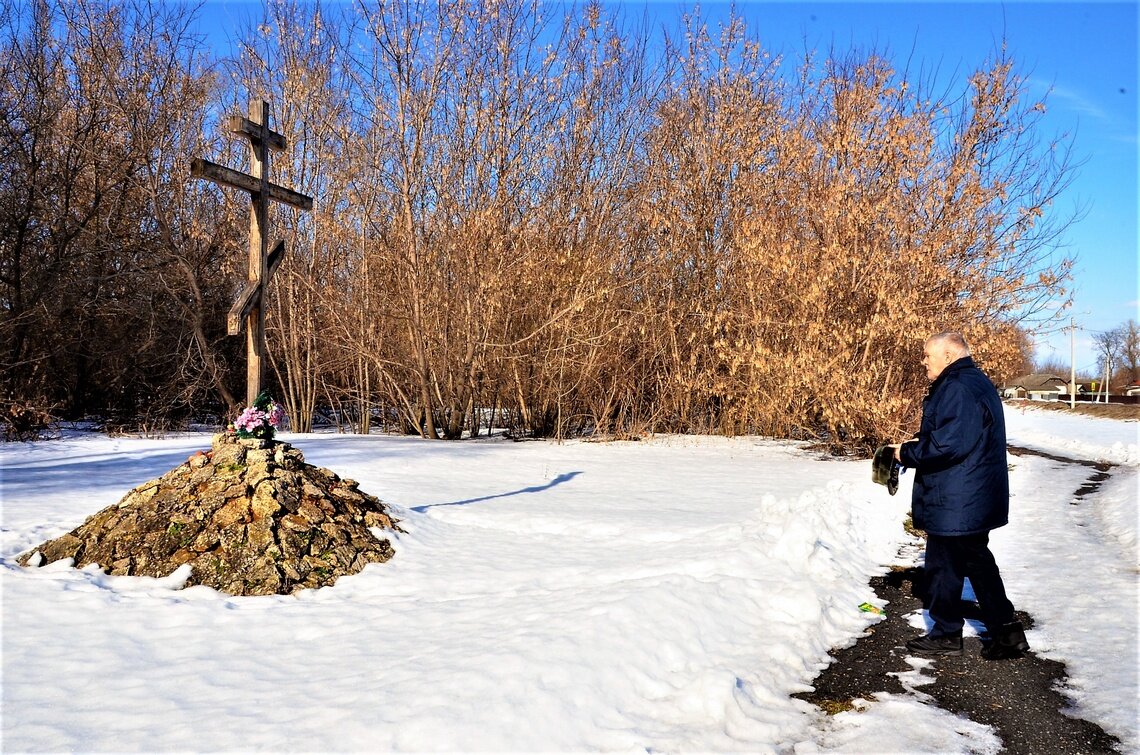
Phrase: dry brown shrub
{"type": "Point", "coordinates": [544, 223]}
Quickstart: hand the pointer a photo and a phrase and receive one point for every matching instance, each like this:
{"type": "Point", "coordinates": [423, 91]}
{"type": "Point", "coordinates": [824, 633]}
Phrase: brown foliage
{"type": "Point", "coordinates": [539, 224]}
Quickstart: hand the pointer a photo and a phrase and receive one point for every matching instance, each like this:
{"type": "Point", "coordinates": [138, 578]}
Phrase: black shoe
{"type": "Point", "coordinates": [1007, 642]}
{"type": "Point", "coordinates": [947, 644]}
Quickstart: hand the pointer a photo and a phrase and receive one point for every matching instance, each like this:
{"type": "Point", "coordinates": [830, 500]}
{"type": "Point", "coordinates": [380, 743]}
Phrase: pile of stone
{"type": "Point", "coordinates": [249, 516]}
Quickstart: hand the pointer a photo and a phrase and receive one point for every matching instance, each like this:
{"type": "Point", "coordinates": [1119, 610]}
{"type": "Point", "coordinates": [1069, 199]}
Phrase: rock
{"type": "Point", "coordinates": [249, 516]}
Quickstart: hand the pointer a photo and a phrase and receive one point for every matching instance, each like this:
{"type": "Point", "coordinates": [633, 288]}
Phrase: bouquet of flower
{"type": "Point", "coordinates": [259, 421]}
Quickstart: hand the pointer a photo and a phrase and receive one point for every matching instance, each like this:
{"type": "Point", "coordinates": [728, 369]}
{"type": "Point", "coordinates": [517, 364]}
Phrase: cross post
{"type": "Point", "coordinates": [249, 308]}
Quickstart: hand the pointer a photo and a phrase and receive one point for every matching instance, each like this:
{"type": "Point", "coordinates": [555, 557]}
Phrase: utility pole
{"type": "Point", "coordinates": [1072, 363]}
{"type": "Point", "coordinates": [1107, 374]}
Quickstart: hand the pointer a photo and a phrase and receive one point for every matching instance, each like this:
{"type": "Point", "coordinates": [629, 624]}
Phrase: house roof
{"type": "Point", "coordinates": [1038, 382]}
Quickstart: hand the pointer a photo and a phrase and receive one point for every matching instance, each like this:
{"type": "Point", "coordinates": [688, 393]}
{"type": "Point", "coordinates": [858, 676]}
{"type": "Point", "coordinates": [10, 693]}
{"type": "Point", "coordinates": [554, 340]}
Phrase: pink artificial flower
{"type": "Point", "coordinates": [251, 419]}
{"type": "Point", "coordinates": [276, 415]}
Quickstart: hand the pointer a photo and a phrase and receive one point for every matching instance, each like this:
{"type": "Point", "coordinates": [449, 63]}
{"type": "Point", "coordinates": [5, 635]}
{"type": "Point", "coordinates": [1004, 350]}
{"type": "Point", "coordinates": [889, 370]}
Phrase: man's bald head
{"type": "Point", "coordinates": [941, 350]}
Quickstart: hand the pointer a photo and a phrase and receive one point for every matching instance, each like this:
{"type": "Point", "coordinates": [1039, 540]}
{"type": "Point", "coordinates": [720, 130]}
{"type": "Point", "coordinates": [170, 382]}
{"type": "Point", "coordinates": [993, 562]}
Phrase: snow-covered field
{"type": "Point", "coordinates": [664, 595]}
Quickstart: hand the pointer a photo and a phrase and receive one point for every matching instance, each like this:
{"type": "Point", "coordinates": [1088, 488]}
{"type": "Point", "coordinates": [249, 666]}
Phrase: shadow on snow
{"type": "Point", "coordinates": [564, 477]}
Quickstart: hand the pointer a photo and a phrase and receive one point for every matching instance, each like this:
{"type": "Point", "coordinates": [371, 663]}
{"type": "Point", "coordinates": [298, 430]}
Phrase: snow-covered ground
{"type": "Point", "coordinates": [669, 594]}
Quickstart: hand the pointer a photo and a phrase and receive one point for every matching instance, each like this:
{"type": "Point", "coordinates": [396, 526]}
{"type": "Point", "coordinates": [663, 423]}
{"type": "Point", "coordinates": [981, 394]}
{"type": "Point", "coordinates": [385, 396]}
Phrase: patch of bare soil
{"type": "Point", "coordinates": [1021, 698]}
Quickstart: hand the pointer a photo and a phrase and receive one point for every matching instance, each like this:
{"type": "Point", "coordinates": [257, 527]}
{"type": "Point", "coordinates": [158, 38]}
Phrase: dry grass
{"type": "Point", "coordinates": [1108, 411]}
{"type": "Point", "coordinates": [835, 707]}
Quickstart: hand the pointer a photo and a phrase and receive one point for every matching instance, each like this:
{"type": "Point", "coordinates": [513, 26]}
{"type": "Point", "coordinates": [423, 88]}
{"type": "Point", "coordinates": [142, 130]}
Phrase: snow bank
{"type": "Point", "coordinates": [1076, 436]}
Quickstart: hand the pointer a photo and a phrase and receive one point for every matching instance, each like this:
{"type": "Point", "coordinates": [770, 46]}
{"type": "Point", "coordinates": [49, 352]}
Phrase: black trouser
{"type": "Point", "coordinates": [949, 561]}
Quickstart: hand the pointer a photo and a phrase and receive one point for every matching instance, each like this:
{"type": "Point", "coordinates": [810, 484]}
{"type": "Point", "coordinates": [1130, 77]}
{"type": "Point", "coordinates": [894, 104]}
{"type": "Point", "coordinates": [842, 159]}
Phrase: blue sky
{"type": "Point", "coordinates": [1083, 54]}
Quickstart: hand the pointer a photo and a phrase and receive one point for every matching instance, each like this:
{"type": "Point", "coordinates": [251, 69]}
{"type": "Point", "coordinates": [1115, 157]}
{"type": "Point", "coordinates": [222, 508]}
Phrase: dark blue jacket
{"type": "Point", "coordinates": [961, 483]}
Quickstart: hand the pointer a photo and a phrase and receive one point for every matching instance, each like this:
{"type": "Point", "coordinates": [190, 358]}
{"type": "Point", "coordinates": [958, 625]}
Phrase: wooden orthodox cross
{"type": "Point", "coordinates": [249, 309]}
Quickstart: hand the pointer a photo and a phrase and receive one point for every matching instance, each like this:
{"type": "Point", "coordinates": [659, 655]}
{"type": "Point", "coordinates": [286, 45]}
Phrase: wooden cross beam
{"type": "Point", "coordinates": [249, 308]}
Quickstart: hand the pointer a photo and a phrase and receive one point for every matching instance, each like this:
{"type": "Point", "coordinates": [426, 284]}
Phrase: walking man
{"type": "Point", "coordinates": [961, 492]}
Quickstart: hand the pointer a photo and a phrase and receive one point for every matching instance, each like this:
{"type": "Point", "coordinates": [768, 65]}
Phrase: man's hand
{"type": "Point", "coordinates": [898, 446]}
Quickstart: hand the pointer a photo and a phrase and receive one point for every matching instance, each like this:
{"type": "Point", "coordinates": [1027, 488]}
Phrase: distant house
{"type": "Point", "coordinates": [1039, 387]}
{"type": "Point", "coordinates": [1132, 389]}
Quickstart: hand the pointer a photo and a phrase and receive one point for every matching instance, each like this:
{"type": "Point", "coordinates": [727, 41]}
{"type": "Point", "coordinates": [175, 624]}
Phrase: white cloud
{"type": "Point", "coordinates": [1067, 98]}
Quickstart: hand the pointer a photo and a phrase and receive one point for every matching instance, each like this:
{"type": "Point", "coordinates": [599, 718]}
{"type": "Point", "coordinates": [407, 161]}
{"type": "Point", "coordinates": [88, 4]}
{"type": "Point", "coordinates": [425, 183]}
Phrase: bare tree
{"type": "Point", "coordinates": [1130, 350]}
{"type": "Point", "coordinates": [1121, 347]}
{"type": "Point", "coordinates": [100, 99]}
{"type": "Point", "coordinates": [522, 219]}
